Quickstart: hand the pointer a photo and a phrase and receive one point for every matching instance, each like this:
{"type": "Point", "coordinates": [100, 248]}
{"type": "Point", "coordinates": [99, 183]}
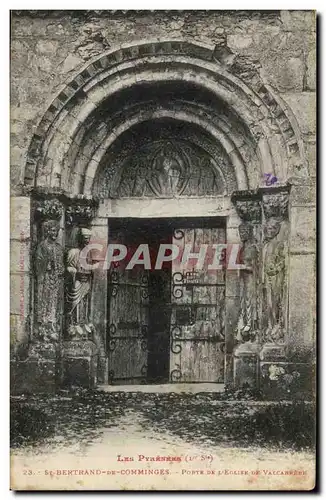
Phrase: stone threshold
{"type": "Point", "coordinates": [164, 388]}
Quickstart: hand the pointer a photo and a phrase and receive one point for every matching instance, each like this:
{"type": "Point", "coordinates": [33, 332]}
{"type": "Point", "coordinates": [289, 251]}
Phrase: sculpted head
{"type": "Point", "coordinates": [51, 229]}
{"type": "Point", "coordinates": [85, 235]}
{"type": "Point", "coordinates": [272, 228]}
{"type": "Point", "coordinates": [245, 232]}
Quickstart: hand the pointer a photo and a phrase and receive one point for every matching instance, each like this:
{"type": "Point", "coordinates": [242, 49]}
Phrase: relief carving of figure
{"type": "Point", "coordinates": [247, 323]}
{"type": "Point", "coordinates": [49, 269]}
{"type": "Point", "coordinates": [169, 171]}
{"type": "Point", "coordinates": [274, 268]}
{"type": "Point", "coordinates": [78, 284]}
{"type": "Point", "coordinates": [166, 175]}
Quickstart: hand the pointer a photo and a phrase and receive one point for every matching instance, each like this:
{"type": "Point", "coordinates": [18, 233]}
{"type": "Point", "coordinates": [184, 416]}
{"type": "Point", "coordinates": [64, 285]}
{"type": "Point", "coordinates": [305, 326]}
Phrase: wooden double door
{"type": "Point", "coordinates": [166, 325]}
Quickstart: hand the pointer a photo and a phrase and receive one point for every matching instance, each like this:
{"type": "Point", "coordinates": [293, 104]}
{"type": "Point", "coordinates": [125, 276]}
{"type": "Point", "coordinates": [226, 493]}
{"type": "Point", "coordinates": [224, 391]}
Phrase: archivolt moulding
{"type": "Point", "coordinates": [154, 62]}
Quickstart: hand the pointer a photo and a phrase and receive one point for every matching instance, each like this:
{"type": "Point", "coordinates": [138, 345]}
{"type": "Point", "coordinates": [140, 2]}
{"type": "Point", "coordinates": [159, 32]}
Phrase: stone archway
{"type": "Point", "coordinates": [79, 165]}
{"type": "Point", "coordinates": [76, 114]}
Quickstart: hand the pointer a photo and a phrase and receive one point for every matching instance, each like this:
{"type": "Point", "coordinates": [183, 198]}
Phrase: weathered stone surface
{"type": "Point", "coordinates": [246, 373]}
{"type": "Point", "coordinates": [239, 41]}
{"type": "Point", "coordinates": [303, 192]}
{"type": "Point", "coordinates": [282, 380]}
{"type": "Point", "coordinates": [33, 376]}
{"type": "Point", "coordinates": [285, 73]}
{"type": "Point", "coordinates": [79, 364]}
{"type": "Point", "coordinates": [43, 350]}
{"type": "Point", "coordinates": [102, 370]}
{"type": "Point", "coordinates": [311, 154]}
{"type": "Point", "coordinates": [272, 352]}
{"type": "Point", "coordinates": [35, 368]}
{"type": "Point", "coordinates": [48, 52]}
{"type": "Point", "coordinates": [46, 47]}
{"type": "Point", "coordinates": [302, 288]}
{"type": "Point", "coordinates": [18, 333]}
{"type": "Point", "coordinates": [41, 59]}
{"type": "Point", "coordinates": [70, 63]}
{"type": "Point", "coordinates": [19, 294]}
{"type": "Point", "coordinates": [311, 70]}
{"type": "Point", "coordinates": [303, 229]}
{"type": "Point", "coordinates": [302, 20]}
{"type": "Point", "coordinates": [20, 217]}
{"type": "Point", "coordinates": [232, 308]}
{"type": "Point", "coordinates": [303, 106]}
{"type": "Point", "coordinates": [19, 256]}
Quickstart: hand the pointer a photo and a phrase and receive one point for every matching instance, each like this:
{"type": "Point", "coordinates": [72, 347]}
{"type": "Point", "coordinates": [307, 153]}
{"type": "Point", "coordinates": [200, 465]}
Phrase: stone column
{"type": "Point", "coordinates": [99, 295]}
{"type": "Point", "coordinates": [232, 298]}
{"type": "Point", "coordinates": [301, 335]}
{"type": "Point", "coordinates": [247, 322]}
{"type": "Point", "coordinates": [302, 262]}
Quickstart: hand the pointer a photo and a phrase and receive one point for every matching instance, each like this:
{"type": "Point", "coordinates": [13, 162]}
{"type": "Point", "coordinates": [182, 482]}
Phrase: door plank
{"type": "Point", "coordinates": [197, 312]}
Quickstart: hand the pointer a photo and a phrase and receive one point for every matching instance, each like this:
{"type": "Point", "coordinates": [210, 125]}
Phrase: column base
{"type": "Point", "coordinates": [39, 372]}
{"type": "Point", "coordinates": [245, 368]}
{"type": "Point", "coordinates": [80, 358]}
{"type": "Point", "coordinates": [283, 379]}
{"type": "Point", "coordinates": [102, 369]}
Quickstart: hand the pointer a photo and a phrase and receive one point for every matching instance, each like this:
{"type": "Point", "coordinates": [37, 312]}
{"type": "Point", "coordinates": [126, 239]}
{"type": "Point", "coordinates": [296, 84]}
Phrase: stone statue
{"type": "Point", "coordinates": [273, 280]}
{"type": "Point", "coordinates": [79, 284]}
{"type": "Point", "coordinates": [247, 323]}
{"type": "Point", "coordinates": [49, 270]}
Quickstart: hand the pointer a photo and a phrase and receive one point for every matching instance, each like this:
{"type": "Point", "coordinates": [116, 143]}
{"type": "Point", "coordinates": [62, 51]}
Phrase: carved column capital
{"type": "Point", "coordinates": [276, 205]}
{"type": "Point", "coordinates": [48, 209]}
{"type": "Point", "coordinates": [247, 205]}
{"type": "Point", "coordinates": [275, 201]}
{"type": "Point", "coordinates": [80, 212]}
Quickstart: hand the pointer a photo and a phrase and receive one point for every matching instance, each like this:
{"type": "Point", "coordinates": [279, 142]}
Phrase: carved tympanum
{"type": "Point", "coordinates": [49, 270]}
{"type": "Point", "coordinates": [163, 168]}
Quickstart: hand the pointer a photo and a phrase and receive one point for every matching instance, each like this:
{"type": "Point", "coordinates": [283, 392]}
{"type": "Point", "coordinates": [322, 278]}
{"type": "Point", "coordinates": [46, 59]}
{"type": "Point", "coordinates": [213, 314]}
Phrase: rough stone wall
{"type": "Point", "coordinates": [49, 48]}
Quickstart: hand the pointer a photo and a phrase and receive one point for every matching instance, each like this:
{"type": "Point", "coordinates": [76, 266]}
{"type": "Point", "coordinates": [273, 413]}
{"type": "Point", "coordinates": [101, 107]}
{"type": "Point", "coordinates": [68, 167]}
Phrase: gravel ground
{"type": "Point", "coordinates": [199, 418]}
{"type": "Point", "coordinates": [85, 430]}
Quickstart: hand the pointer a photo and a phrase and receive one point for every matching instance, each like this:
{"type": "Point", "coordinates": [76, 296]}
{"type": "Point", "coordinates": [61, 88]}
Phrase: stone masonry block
{"type": "Point", "coordinates": [303, 229]}
{"type": "Point", "coordinates": [19, 256]}
{"type": "Point", "coordinates": [20, 217]}
{"type": "Point", "coordinates": [303, 106]}
{"type": "Point", "coordinates": [19, 294]}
